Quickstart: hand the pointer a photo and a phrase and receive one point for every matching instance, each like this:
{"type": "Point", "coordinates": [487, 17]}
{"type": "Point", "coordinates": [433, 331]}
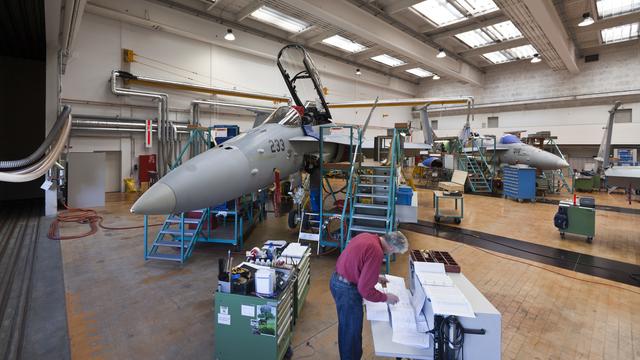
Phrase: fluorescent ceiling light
{"type": "Point", "coordinates": [344, 44]}
{"type": "Point", "coordinates": [388, 60]}
{"type": "Point", "coordinates": [439, 12]}
{"type": "Point", "coordinates": [607, 8]}
{"type": "Point", "coordinates": [490, 34]}
{"type": "Point", "coordinates": [516, 53]}
{"type": "Point", "coordinates": [586, 20]}
{"type": "Point", "coordinates": [621, 33]}
{"type": "Point", "coordinates": [443, 12]}
{"type": "Point", "coordinates": [436, 77]}
{"type": "Point", "coordinates": [441, 54]}
{"type": "Point", "coordinates": [278, 19]}
{"type": "Point", "coordinates": [419, 72]}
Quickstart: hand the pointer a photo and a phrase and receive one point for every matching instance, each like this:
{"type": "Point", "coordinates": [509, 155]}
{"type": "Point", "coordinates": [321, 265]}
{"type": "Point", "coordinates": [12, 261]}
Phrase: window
{"type": "Point", "coordinates": [434, 124]}
{"type": "Point", "coordinates": [516, 53]}
{"type": "Point", "coordinates": [607, 8]}
{"type": "Point", "coordinates": [622, 116]}
{"type": "Point", "coordinates": [279, 19]}
{"type": "Point", "coordinates": [284, 115]}
{"type": "Point", "coordinates": [490, 34]}
{"type": "Point", "coordinates": [419, 72]}
{"type": "Point", "coordinates": [445, 12]}
{"type": "Point", "coordinates": [492, 122]}
{"type": "Point", "coordinates": [388, 60]}
{"type": "Point", "coordinates": [620, 33]}
{"type": "Point", "coordinates": [343, 43]}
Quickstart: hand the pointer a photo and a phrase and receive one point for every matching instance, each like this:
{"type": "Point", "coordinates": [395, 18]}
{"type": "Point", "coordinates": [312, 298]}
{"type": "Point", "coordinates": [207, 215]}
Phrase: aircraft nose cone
{"type": "Point", "coordinates": [564, 163]}
{"type": "Point", "coordinates": [158, 200]}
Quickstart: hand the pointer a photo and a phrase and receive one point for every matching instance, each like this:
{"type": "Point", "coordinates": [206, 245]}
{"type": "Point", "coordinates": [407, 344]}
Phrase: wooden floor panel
{"type": "Point", "coordinates": [121, 307]}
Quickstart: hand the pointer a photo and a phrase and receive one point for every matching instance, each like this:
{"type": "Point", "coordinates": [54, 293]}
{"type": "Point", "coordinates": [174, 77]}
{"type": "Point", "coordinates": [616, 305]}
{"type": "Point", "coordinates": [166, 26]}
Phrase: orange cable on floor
{"type": "Point", "coordinates": [82, 216]}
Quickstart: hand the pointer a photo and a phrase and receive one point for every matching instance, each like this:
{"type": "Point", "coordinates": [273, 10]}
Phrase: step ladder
{"type": "Point", "coordinates": [478, 173]}
{"type": "Point", "coordinates": [309, 229]}
{"type": "Point", "coordinates": [372, 203]}
{"type": "Point", "coordinates": [177, 237]}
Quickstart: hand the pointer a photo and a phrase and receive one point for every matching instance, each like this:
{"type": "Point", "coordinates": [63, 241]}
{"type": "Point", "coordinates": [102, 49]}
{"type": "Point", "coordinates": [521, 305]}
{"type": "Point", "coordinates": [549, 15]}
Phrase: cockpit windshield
{"type": "Point", "coordinates": [509, 139]}
{"type": "Point", "coordinates": [302, 79]}
{"type": "Point", "coordinates": [284, 115]}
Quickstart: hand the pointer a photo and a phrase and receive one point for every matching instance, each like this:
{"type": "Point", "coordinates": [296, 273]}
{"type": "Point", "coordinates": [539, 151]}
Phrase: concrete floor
{"type": "Point", "coordinates": [121, 307]}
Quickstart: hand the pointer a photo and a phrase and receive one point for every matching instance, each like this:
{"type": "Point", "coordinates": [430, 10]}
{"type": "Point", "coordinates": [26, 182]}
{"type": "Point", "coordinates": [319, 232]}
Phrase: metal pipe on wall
{"type": "Point", "coordinates": [163, 114]}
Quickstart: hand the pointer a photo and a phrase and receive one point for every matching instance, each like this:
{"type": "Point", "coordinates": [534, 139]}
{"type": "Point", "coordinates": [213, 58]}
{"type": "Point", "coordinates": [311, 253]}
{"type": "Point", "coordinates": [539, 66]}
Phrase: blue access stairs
{"type": "Point", "coordinates": [177, 237]}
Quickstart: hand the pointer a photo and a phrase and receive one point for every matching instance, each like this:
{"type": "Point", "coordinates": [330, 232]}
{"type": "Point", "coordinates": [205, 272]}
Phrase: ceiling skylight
{"type": "Point", "coordinates": [490, 34]}
{"type": "Point", "coordinates": [439, 12]}
{"type": "Point", "coordinates": [621, 33]}
{"type": "Point", "coordinates": [445, 12]}
{"type": "Point", "coordinates": [607, 8]}
{"type": "Point", "coordinates": [516, 53]}
{"type": "Point", "coordinates": [419, 72]}
{"type": "Point", "coordinates": [343, 43]}
{"type": "Point", "coordinates": [388, 60]}
{"type": "Point", "coordinates": [477, 7]}
{"type": "Point", "coordinates": [278, 19]}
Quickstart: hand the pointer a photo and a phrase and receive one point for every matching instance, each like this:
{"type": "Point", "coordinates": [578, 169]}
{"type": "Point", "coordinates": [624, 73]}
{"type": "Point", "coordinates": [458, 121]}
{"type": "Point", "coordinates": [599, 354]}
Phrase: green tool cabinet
{"type": "Point", "coordinates": [252, 327]}
{"type": "Point", "coordinates": [582, 221]}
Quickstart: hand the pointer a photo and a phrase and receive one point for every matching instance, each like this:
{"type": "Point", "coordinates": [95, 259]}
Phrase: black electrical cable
{"type": "Point", "coordinates": [457, 343]}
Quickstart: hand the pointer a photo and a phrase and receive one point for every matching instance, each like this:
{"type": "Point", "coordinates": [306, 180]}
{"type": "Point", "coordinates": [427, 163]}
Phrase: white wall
{"type": "Point", "coordinates": [617, 70]}
{"type": "Point", "coordinates": [168, 56]}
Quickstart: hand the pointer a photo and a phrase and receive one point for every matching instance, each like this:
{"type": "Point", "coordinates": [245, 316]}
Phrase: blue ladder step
{"type": "Point", "coordinates": [373, 195]}
{"type": "Point", "coordinates": [374, 176]}
{"type": "Point", "coordinates": [370, 217]}
{"type": "Point", "coordinates": [177, 232]}
{"type": "Point", "coordinates": [171, 243]}
{"type": "Point", "coordinates": [370, 206]}
{"type": "Point", "coordinates": [375, 185]}
{"type": "Point", "coordinates": [368, 229]}
{"type": "Point", "coordinates": [169, 257]}
{"type": "Point", "coordinates": [186, 220]}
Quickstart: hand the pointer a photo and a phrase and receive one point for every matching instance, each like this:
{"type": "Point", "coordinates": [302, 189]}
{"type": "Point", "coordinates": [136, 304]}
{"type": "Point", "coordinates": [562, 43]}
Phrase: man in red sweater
{"type": "Point", "coordinates": [357, 273]}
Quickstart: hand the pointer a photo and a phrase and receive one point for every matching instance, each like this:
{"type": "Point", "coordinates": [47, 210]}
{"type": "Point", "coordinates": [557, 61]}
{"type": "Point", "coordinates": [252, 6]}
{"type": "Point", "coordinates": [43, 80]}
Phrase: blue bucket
{"type": "Point", "coordinates": [404, 195]}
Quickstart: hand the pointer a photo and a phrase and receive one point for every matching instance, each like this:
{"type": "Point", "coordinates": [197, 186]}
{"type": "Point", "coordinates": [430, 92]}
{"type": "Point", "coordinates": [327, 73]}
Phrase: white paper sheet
{"type": "Point", "coordinates": [449, 300]}
{"type": "Point", "coordinates": [377, 311]}
{"type": "Point", "coordinates": [416, 339]}
{"type": "Point", "coordinates": [248, 310]}
{"type": "Point", "coordinates": [429, 267]}
{"type": "Point", "coordinates": [435, 279]}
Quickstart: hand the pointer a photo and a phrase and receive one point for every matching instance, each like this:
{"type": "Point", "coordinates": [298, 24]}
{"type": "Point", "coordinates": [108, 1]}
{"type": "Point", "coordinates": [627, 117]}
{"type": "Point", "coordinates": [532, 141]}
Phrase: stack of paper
{"type": "Point", "coordinates": [449, 300]}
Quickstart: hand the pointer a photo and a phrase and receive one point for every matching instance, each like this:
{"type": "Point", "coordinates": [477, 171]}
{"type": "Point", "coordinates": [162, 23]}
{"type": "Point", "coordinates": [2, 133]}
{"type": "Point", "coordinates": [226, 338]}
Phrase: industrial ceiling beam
{"type": "Point", "coordinates": [307, 30]}
{"type": "Point", "coordinates": [248, 10]}
{"type": "Point", "coordinates": [545, 14]}
{"type": "Point", "coordinates": [507, 44]}
{"type": "Point", "coordinates": [318, 38]}
{"type": "Point", "coordinates": [357, 21]}
{"type": "Point", "coordinates": [470, 25]}
{"type": "Point", "coordinates": [400, 5]}
{"type": "Point", "coordinates": [612, 21]}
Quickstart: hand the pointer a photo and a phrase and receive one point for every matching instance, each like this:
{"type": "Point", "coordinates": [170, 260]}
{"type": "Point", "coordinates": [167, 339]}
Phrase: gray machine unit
{"type": "Point", "coordinates": [476, 346]}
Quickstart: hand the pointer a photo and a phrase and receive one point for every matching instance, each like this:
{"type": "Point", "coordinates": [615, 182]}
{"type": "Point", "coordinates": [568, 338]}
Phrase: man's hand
{"type": "Point", "coordinates": [392, 299]}
{"type": "Point", "coordinates": [382, 280]}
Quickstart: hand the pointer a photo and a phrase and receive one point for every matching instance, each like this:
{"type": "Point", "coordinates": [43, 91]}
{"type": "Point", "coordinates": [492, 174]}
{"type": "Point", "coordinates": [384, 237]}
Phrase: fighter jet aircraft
{"type": "Point", "coordinates": [512, 151]}
{"type": "Point", "coordinates": [626, 177]}
{"type": "Point", "coordinates": [246, 163]}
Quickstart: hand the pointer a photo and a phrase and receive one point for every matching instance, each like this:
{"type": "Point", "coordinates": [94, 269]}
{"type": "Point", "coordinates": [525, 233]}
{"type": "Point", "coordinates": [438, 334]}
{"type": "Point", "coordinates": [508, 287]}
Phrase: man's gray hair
{"type": "Point", "coordinates": [397, 241]}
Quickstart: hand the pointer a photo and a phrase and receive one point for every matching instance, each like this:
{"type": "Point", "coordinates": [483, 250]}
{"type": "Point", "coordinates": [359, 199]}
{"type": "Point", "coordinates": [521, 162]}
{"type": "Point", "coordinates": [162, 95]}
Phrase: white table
{"type": "Point", "coordinates": [383, 346]}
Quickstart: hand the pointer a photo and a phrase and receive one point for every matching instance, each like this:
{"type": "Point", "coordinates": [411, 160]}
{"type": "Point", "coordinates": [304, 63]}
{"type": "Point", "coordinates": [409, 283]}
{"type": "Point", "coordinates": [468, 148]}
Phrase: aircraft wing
{"type": "Point", "coordinates": [366, 143]}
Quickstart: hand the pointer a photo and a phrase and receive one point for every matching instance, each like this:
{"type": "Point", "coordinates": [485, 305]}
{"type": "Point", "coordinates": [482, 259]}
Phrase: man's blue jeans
{"type": "Point", "coordinates": [349, 305]}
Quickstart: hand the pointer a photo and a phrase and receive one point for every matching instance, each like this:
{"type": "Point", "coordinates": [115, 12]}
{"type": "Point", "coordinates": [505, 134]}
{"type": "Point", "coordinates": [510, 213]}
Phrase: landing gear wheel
{"type": "Point", "coordinates": [589, 239]}
{"type": "Point", "coordinates": [437, 218]}
{"type": "Point", "coordinates": [561, 235]}
{"type": "Point", "coordinates": [294, 219]}
{"type": "Point", "coordinates": [457, 221]}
